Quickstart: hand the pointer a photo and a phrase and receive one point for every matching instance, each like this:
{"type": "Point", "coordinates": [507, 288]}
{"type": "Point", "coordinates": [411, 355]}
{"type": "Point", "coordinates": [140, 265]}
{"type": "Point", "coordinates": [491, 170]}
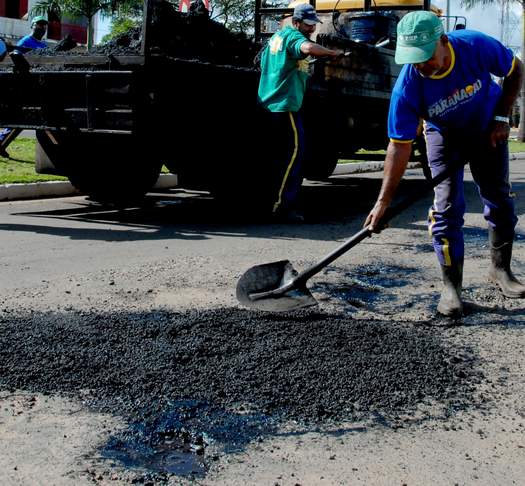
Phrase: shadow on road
{"type": "Point", "coordinates": [341, 202]}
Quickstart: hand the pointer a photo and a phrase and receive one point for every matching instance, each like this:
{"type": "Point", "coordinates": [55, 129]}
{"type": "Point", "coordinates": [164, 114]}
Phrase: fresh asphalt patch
{"type": "Point", "coordinates": [225, 377]}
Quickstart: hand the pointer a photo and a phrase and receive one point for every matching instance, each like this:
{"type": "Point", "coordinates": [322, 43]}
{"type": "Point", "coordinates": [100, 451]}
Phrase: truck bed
{"type": "Point", "coordinates": [112, 94]}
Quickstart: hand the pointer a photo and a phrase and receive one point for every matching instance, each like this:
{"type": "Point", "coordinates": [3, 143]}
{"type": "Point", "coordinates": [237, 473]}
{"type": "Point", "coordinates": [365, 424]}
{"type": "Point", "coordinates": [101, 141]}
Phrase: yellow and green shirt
{"type": "Point", "coordinates": [284, 72]}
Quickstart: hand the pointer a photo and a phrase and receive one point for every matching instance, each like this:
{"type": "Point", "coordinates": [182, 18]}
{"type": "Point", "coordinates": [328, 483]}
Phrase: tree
{"type": "Point", "coordinates": [472, 3]}
{"type": "Point", "coordinates": [126, 17]}
{"type": "Point", "coordinates": [87, 9]}
{"type": "Point", "coordinates": [120, 25]}
{"type": "Point", "coordinates": [236, 15]}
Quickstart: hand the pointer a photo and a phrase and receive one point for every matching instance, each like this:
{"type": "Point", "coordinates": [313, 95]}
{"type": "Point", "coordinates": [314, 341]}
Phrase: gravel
{"type": "Point", "coordinates": [305, 366]}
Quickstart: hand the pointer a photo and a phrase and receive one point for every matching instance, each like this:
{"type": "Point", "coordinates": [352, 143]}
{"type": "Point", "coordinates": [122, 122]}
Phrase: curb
{"type": "Point", "coordinates": [362, 167]}
{"type": "Point", "coordinates": [11, 192]}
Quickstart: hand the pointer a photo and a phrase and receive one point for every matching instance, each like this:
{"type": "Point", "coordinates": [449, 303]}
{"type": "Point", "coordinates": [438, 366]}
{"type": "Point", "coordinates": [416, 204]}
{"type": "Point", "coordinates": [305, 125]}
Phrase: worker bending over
{"type": "Point", "coordinates": [447, 81]}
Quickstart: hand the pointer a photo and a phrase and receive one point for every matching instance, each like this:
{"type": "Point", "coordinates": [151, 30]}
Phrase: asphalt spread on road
{"type": "Point", "coordinates": [229, 375]}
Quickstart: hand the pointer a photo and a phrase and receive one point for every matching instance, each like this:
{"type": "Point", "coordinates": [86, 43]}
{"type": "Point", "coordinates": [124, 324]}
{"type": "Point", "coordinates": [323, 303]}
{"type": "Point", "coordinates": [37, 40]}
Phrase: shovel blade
{"type": "Point", "coordinates": [272, 276]}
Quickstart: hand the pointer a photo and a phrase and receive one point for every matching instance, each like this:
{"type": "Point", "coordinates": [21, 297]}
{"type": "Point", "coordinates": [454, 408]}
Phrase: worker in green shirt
{"type": "Point", "coordinates": [284, 72]}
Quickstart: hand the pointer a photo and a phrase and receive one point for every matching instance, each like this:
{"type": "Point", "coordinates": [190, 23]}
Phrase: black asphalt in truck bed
{"type": "Point", "coordinates": [172, 33]}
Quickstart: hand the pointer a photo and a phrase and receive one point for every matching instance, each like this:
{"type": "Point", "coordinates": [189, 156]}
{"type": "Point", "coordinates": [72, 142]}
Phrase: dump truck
{"type": "Point", "coordinates": [186, 99]}
{"type": "Point", "coordinates": [110, 119]}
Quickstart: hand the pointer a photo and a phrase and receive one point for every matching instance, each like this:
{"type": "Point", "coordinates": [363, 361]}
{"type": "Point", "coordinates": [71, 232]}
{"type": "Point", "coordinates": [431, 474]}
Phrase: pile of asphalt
{"type": "Point", "coordinates": [127, 43]}
{"type": "Point", "coordinates": [306, 366]}
{"type": "Point", "coordinates": [192, 36]}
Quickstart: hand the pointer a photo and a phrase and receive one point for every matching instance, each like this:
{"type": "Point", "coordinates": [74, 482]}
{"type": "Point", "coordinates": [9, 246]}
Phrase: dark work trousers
{"type": "Point", "coordinates": [286, 147]}
{"type": "Point", "coordinates": [490, 171]}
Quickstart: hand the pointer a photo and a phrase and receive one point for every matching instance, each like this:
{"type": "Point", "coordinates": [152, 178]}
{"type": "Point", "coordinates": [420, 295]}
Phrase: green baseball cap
{"type": "Point", "coordinates": [417, 36]}
{"type": "Point", "coordinates": [39, 18]}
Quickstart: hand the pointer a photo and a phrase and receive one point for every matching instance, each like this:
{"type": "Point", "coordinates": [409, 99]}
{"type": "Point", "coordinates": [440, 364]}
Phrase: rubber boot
{"type": "Point", "coordinates": [500, 272]}
{"type": "Point", "coordinates": [450, 304]}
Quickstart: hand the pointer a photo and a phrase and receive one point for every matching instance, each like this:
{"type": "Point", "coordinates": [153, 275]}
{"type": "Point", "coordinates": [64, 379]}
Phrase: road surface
{"type": "Point", "coordinates": [182, 252]}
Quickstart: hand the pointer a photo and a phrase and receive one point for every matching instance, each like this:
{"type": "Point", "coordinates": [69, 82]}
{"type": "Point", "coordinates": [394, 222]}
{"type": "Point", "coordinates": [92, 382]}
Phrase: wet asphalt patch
{"type": "Point", "coordinates": [366, 286]}
{"type": "Point", "coordinates": [185, 381]}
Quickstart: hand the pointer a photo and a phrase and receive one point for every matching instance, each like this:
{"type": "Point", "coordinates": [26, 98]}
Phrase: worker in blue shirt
{"type": "Point", "coordinates": [447, 81]}
{"type": "Point", "coordinates": [34, 40]}
{"type": "Point", "coordinates": [3, 49]}
{"type": "Point", "coordinates": [26, 44]}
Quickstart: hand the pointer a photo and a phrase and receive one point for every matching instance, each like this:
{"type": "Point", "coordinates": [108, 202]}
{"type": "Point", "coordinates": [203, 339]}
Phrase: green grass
{"type": "Point", "coordinates": [515, 147]}
{"type": "Point", "coordinates": [21, 166]}
{"type": "Point", "coordinates": [365, 155]}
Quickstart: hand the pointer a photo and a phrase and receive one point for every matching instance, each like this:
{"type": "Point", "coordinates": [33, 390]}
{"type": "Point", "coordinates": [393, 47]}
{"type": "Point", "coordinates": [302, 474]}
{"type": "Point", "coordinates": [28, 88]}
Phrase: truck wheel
{"type": "Point", "coordinates": [109, 168]}
{"type": "Point", "coordinates": [319, 166]}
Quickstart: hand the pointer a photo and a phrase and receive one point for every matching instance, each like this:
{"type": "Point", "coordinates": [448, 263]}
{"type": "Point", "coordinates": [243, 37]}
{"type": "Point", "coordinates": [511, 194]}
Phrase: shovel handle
{"type": "Point", "coordinates": [391, 213]}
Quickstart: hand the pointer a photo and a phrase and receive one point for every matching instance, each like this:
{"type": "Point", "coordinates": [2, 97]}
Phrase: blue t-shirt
{"type": "Point", "coordinates": [461, 100]}
{"type": "Point", "coordinates": [29, 42]}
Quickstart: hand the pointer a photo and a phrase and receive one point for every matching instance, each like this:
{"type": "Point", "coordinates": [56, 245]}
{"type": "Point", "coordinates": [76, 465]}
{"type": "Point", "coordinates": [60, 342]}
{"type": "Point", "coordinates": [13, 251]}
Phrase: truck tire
{"type": "Point", "coordinates": [318, 165]}
{"type": "Point", "coordinates": [109, 168]}
{"type": "Point", "coordinates": [321, 143]}
{"type": "Point", "coordinates": [172, 166]}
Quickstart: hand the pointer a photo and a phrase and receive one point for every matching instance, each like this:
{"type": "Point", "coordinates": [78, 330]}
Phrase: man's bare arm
{"type": "Point", "coordinates": [315, 50]}
{"type": "Point", "coordinates": [511, 88]}
{"type": "Point", "coordinates": [396, 161]}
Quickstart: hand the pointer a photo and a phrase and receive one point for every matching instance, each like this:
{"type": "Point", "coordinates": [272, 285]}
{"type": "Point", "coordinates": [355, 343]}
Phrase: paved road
{"type": "Point", "coordinates": [55, 238]}
{"type": "Point", "coordinates": [183, 252]}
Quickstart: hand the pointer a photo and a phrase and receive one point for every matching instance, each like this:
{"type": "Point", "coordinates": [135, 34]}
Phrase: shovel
{"type": "Point", "coordinates": [278, 287]}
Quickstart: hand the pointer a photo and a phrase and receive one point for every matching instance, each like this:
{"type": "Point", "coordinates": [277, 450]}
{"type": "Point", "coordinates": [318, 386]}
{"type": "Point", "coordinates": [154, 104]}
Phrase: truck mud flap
{"type": "Point", "coordinates": [44, 164]}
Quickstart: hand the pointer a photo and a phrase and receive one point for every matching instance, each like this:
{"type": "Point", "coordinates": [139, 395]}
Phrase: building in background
{"type": "Point", "coordinates": [13, 19]}
{"type": "Point", "coordinates": [15, 23]}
